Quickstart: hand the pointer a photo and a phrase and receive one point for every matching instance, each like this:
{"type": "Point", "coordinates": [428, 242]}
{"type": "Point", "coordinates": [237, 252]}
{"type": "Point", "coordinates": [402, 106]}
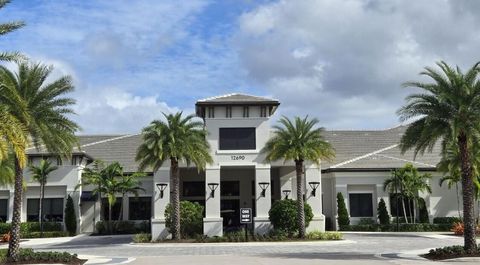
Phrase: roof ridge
{"type": "Point", "coordinates": [110, 139]}
{"type": "Point", "coordinates": [405, 160]}
{"type": "Point", "coordinates": [234, 94]}
{"type": "Point", "coordinates": [364, 156]}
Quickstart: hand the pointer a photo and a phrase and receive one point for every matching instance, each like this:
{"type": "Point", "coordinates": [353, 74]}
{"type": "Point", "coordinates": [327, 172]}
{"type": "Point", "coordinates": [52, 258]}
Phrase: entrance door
{"type": "Point", "coordinates": [230, 212]}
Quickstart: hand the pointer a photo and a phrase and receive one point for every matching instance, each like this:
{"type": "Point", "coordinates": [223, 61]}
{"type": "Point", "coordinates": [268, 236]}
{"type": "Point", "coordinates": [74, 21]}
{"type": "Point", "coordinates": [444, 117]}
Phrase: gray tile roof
{"type": "Point", "coordinates": [237, 98]}
{"type": "Point", "coordinates": [355, 149]}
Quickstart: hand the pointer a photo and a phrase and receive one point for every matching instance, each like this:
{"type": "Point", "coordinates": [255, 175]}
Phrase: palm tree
{"type": "Point", "coordinates": [417, 183]}
{"type": "Point", "coordinates": [12, 138]}
{"type": "Point", "coordinates": [6, 28]}
{"type": "Point", "coordinates": [44, 111]}
{"type": "Point", "coordinates": [298, 140]}
{"type": "Point", "coordinates": [40, 174]}
{"type": "Point", "coordinates": [397, 184]}
{"type": "Point", "coordinates": [180, 139]}
{"type": "Point", "coordinates": [129, 184]}
{"type": "Point", "coordinates": [448, 109]}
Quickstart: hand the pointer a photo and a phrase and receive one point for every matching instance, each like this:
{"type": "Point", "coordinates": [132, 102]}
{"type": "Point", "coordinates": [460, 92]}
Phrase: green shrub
{"type": "Point", "coordinates": [27, 255]}
{"type": "Point", "coordinates": [423, 212]}
{"type": "Point", "coordinates": [46, 234]}
{"type": "Point", "coordinates": [449, 253]}
{"type": "Point", "coordinates": [343, 218]}
{"type": "Point", "coordinates": [317, 235]}
{"type": "Point", "coordinates": [70, 217]}
{"type": "Point", "coordinates": [383, 216]}
{"type": "Point", "coordinates": [447, 220]}
{"type": "Point", "coordinates": [118, 227]}
{"type": "Point", "coordinates": [366, 221]}
{"type": "Point", "coordinates": [283, 215]}
{"type": "Point", "coordinates": [191, 218]}
{"type": "Point", "coordinates": [142, 238]}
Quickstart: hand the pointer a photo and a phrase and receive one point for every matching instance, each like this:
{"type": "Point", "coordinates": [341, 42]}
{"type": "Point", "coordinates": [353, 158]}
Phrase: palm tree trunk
{"type": "Point", "coordinates": [110, 218]}
{"type": "Point", "coordinates": [120, 215]}
{"type": "Point", "coordinates": [470, 244]}
{"type": "Point", "coordinates": [404, 210]}
{"type": "Point", "coordinates": [14, 244]}
{"type": "Point", "coordinates": [414, 210]}
{"type": "Point", "coordinates": [300, 204]}
{"type": "Point", "coordinates": [40, 206]}
{"type": "Point", "coordinates": [175, 198]}
{"type": "Point", "coordinates": [458, 201]}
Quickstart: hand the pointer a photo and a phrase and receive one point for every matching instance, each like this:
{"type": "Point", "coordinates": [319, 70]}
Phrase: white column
{"type": "Point", "coordinates": [213, 222]}
{"type": "Point", "coordinates": [263, 203]}
{"type": "Point", "coordinates": [159, 230]}
{"type": "Point", "coordinates": [287, 175]}
{"type": "Point", "coordinates": [313, 177]}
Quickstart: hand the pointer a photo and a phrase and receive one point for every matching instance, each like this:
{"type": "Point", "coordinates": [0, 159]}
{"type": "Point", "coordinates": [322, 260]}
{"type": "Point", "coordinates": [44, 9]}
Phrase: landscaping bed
{"type": "Point", "coordinates": [28, 256]}
{"type": "Point", "coordinates": [240, 237]}
{"type": "Point", "coordinates": [449, 252]}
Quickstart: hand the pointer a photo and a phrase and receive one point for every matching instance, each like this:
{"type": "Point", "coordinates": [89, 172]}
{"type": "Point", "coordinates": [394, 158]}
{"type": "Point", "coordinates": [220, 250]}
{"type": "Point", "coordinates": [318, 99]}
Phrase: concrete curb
{"type": "Point", "coordinates": [235, 244]}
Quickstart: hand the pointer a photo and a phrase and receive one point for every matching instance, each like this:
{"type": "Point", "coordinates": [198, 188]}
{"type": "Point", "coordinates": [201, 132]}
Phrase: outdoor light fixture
{"type": "Point", "coordinates": [286, 193]}
{"type": "Point", "coordinates": [213, 187]}
{"type": "Point", "coordinates": [314, 185]}
{"type": "Point", "coordinates": [161, 187]}
{"type": "Point", "coordinates": [263, 186]}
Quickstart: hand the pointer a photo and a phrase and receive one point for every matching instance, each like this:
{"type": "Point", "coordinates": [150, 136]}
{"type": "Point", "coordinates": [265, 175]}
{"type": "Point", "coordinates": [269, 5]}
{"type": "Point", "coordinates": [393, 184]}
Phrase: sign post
{"type": "Point", "coordinates": [246, 218]}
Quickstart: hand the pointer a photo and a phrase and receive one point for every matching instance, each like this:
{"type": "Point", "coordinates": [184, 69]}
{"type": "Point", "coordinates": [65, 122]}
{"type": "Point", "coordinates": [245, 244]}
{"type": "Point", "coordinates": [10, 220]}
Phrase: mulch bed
{"type": "Point", "coordinates": [453, 256]}
{"type": "Point", "coordinates": [76, 261]}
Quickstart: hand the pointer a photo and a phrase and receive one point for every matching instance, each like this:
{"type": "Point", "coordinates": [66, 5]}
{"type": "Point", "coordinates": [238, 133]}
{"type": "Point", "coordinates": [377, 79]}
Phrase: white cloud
{"type": "Point", "coordinates": [344, 60]}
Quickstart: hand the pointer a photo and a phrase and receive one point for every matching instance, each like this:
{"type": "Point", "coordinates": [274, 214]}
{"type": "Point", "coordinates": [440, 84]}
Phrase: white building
{"type": "Point", "coordinates": [238, 126]}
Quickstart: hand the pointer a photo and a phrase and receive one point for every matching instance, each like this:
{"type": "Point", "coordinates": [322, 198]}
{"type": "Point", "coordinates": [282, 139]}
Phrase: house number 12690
{"type": "Point", "coordinates": [238, 157]}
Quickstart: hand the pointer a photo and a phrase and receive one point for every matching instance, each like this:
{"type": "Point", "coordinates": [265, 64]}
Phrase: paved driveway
{"type": "Point", "coordinates": [357, 248]}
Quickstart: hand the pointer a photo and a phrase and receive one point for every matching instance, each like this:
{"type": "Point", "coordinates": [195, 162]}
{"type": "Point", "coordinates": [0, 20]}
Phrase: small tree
{"type": "Point", "coordinates": [343, 218]}
{"type": "Point", "coordinates": [423, 211]}
{"type": "Point", "coordinates": [283, 216]}
{"type": "Point", "coordinates": [70, 217]}
{"type": "Point", "coordinates": [383, 216]}
{"type": "Point", "coordinates": [191, 219]}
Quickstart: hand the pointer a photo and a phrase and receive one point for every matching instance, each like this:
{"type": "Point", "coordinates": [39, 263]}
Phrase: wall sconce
{"type": "Point", "coordinates": [213, 187]}
{"type": "Point", "coordinates": [286, 193]}
{"type": "Point", "coordinates": [263, 186]}
{"type": "Point", "coordinates": [161, 187]}
{"type": "Point", "coordinates": [314, 185]}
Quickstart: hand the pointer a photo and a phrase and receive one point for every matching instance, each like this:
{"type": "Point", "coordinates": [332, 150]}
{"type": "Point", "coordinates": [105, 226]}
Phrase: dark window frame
{"type": "Point", "coordinates": [234, 138]}
{"type": "Point", "coordinates": [357, 209]}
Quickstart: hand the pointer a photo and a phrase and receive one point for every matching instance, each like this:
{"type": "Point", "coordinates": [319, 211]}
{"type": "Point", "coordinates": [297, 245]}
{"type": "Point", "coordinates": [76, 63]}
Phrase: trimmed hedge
{"type": "Point", "coordinates": [47, 234]}
{"type": "Point", "coordinates": [421, 227]}
{"type": "Point", "coordinates": [449, 252]}
{"type": "Point", "coordinates": [191, 218]}
{"type": "Point", "coordinates": [28, 256]}
{"type": "Point", "coordinates": [28, 229]}
{"type": "Point", "coordinates": [447, 220]}
{"type": "Point", "coordinates": [283, 216]}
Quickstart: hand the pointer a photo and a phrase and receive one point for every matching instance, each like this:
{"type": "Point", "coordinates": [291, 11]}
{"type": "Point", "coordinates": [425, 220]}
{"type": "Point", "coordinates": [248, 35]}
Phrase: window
{"type": "Point", "coordinates": [59, 161]}
{"type": "Point", "coordinates": [211, 112]}
{"type": "Point", "coordinates": [193, 188]}
{"type": "Point", "coordinates": [230, 188]}
{"type": "Point", "coordinates": [228, 112]}
{"type": "Point", "coordinates": [237, 139]}
{"type": "Point", "coordinates": [115, 208]}
{"type": "Point", "coordinates": [245, 112]}
{"type": "Point", "coordinates": [393, 206]}
{"type": "Point", "coordinates": [140, 208]}
{"type": "Point", "coordinates": [361, 205]}
{"type": "Point", "coordinates": [263, 111]}
{"type": "Point", "coordinates": [3, 210]}
{"type": "Point", "coordinates": [52, 210]}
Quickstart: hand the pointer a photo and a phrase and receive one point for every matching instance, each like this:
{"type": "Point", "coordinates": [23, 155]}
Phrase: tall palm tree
{"type": "Point", "coordinates": [417, 183]}
{"type": "Point", "coordinates": [12, 137]}
{"type": "Point", "coordinates": [180, 139]}
{"type": "Point", "coordinates": [299, 140]}
{"type": "Point", "coordinates": [6, 28]}
{"type": "Point", "coordinates": [447, 109]}
{"type": "Point", "coordinates": [44, 111]}
{"type": "Point", "coordinates": [40, 174]}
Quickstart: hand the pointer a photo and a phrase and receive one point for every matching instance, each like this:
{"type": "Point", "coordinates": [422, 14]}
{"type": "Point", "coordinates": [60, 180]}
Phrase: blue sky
{"type": "Point", "coordinates": [341, 61]}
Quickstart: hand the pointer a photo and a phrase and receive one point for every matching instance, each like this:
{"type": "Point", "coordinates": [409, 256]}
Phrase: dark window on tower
{"type": "Point", "coordinates": [237, 139]}
{"type": "Point", "coordinates": [361, 205]}
{"type": "Point", "coordinates": [211, 112]}
{"type": "Point", "coordinates": [263, 111]}
{"type": "Point", "coordinates": [245, 112]}
{"type": "Point", "coordinates": [228, 112]}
